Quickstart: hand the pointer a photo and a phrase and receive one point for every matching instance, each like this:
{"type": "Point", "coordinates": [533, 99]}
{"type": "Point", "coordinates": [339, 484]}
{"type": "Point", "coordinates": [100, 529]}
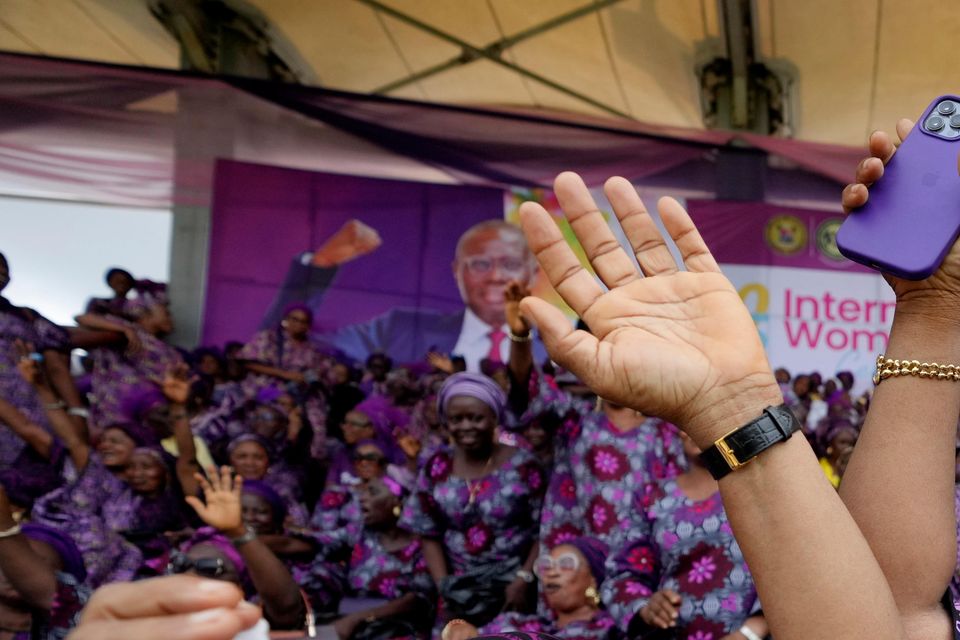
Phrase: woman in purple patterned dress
{"type": "Point", "coordinates": [571, 574]}
{"type": "Point", "coordinates": [602, 458]}
{"type": "Point", "coordinates": [47, 339]}
{"type": "Point", "coordinates": [126, 495]}
{"type": "Point", "coordinates": [680, 568]}
{"type": "Point", "coordinates": [252, 456]}
{"type": "Point", "coordinates": [42, 589]}
{"type": "Point", "coordinates": [286, 357]}
{"type": "Point", "coordinates": [477, 507]}
{"type": "Point", "coordinates": [143, 358]}
{"type": "Point", "coordinates": [388, 584]}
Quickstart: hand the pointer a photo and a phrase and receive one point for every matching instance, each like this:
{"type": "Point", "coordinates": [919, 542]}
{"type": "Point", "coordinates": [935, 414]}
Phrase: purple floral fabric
{"type": "Point", "coordinates": [378, 573]}
{"type": "Point", "coordinates": [687, 546]}
{"type": "Point", "coordinates": [17, 323]}
{"type": "Point", "coordinates": [499, 525]}
{"type": "Point", "coordinates": [600, 627]}
{"type": "Point", "coordinates": [597, 471]}
{"type": "Point", "coordinates": [68, 602]}
{"type": "Point", "coordinates": [272, 347]}
{"type": "Point", "coordinates": [116, 372]}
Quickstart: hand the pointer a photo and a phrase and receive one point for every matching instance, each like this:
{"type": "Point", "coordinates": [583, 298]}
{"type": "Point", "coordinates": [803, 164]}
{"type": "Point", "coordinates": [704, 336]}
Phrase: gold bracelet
{"type": "Point", "coordinates": [889, 368]}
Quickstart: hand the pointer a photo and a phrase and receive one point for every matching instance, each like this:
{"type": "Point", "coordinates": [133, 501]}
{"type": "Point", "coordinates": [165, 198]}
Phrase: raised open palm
{"type": "Point", "coordinates": [222, 509]}
{"type": "Point", "coordinates": [674, 344]}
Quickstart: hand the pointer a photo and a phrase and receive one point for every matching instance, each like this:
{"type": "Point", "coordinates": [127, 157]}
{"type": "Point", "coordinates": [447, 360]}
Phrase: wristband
{"type": "Point", "coordinates": [9, 533]}
{"type": "Point", "coordinates": [515, 338]}
{"type": "Point", "coordinates": [740, 446]}
{"type": "Point", "coordinates": [749, 633]}
{"type": "Point", "coordinates": [80, 412]}
{"type": "Point", "coordinates": [249, 536]}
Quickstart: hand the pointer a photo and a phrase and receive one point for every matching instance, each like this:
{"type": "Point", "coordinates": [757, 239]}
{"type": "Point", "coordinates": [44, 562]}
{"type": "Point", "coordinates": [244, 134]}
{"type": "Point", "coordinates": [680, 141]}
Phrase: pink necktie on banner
{"type": "Point", "coordinates": [497, 337]}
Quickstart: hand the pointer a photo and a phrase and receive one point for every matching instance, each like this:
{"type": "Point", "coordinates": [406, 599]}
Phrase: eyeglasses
{"type": "Point", "coordinates": [204, 567]}
{"type": "Point", "coordinates": [359, 424]}
{"type": "Point", "coordinates": [481, 264]}
{"type": "Point", "coordinates": [368, 457]}
{"type": "Point", "coordinates": [565, 563]}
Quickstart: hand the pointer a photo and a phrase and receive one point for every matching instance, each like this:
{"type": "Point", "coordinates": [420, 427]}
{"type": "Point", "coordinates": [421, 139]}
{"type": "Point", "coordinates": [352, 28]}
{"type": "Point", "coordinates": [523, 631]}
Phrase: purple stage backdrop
{"type": "Point", "coordinates": [263, 217]}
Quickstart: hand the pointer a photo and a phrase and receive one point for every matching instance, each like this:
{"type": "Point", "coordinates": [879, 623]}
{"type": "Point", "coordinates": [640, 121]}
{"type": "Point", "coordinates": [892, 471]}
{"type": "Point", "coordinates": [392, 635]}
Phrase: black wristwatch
{"type": "Point", "coordinates": [742, 445]}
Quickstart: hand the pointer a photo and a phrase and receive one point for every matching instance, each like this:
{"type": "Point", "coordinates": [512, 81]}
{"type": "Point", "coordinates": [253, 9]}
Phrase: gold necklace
{"type": "Point", "coordinates": [473, 486]}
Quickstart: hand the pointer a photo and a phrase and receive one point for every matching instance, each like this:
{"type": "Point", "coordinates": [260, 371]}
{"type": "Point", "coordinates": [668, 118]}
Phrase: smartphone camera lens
{"type": "Point", "coordinates": [946, 108]}
{"type": "Point", "coordinates": [955, 121]}
{"type": "Point", "coordinates": [934, 124]}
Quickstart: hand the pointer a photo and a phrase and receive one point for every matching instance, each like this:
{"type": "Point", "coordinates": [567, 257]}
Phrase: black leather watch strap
{"type": "Point", "coordinates": [739, 447]}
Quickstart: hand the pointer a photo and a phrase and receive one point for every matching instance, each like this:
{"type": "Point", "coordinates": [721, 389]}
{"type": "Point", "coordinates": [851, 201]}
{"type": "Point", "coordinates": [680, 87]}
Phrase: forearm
{"type": "Point", "coordinates": [532, 556]}
{"type": "Point", "coordinates": [282, 603]}
{"type": "Point", "coordinates": [35, 436]}
{"type": "Point", "coordinates": [83, 338]}
{"type": "Point", "coordinates": [187, 464]}
{"type": "Point", "coordinates": [899, 484]}
{"type": "Point", "coordinates": [276, 372]}
{"type": "Point", "coordinates": [58, 372]}
{"type": "Point", "coordinates": [101, 323]}
{"type": "Point", "coordinates": [75, 441]}
{"type": "Point", "coordinates": [27, 573]}
{"type": "Point", "coordinates": [521, 360]}
{"type": "Point", "coordinates": [404, 604]}
{"type": "Point", "coordinates": [435, 559]}
{"type": "Point", "coordinates": [814, 571]}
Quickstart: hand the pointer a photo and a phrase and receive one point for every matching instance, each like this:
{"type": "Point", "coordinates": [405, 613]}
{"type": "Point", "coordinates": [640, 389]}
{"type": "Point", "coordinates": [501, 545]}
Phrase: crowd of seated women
{"type": "Point", "coordinates": [372, 500]}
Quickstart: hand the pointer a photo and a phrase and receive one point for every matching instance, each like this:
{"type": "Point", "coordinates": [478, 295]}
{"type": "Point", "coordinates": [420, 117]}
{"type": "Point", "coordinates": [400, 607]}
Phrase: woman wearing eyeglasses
{"type": "Point", "coordinates": [679, 573]}
{"type": "Point", "coordinates": [571, 575]}
{"type": "Point", "coordinates": [229, 550]}
{"type": "Point", "coordinates": [252, 456]}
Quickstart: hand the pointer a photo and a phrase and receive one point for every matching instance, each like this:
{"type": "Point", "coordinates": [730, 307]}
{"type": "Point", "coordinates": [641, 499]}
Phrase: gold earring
{"type": "Point", "coordinates": [397, 511]}
{"type": "Point", "coordinates": [592, 595]}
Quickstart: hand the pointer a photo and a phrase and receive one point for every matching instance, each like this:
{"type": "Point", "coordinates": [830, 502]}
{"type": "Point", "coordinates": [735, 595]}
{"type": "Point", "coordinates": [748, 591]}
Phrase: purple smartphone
{"type": "Point", "coordinates": [912, 216]}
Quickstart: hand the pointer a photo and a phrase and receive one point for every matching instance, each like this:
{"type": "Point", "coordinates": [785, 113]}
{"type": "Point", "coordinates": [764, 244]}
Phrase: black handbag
{"type": "Point", "coordinates": [478, 595]}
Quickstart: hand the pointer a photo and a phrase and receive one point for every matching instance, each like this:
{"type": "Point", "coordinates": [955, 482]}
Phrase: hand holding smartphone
{"type": "Point", "coordinates": [912, 217]}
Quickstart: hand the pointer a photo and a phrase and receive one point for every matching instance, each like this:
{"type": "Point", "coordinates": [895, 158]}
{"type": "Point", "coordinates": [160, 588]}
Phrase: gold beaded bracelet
{"type": "Point", "coordinates": [889, 368]}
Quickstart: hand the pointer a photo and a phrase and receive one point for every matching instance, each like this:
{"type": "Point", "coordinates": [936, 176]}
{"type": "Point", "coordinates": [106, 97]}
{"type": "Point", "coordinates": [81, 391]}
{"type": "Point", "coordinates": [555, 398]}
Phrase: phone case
{"type": "Point", "coordinates": [912, 216]}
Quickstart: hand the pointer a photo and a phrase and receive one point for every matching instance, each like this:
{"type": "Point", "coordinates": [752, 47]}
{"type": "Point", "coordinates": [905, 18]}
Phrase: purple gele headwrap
{"type": "Point", "coordinates": [398, 480]}
{"type": "Point", "coordinates": [149, 294]}
{"type": "Point", "coordinates": [275, 500]}
{"type": "Point", "coordinates": [595, 553]}
{"type": "Point", "coordinates": [63, 544]}
{"type": "Point", "coordinates": [268, 395]}
{"type": "Point", "coordinates": [142, 435]}
{"type": "Point", "coordinates": [212, 537]}
{"type": "Point", "coordinates": [139, 400]}
{"type": "Point", "coordinates": [473, 385]}
{"type": "Point", "coordinates": [386, 419]}
{"type": "Point", "coordinates": [251, 437]}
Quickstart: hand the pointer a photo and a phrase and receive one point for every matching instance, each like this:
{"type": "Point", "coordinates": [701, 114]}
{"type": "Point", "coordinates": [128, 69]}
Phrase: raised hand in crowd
{"type": "Point", "coordinates": [283, 604]}
{"type": "Point", "coordinates": [222, 509]}
{"type": "Point", "coordinates": [440, 362]}
{"type": "Point", "coordinates": [171, 608]}
{"type": "Point", "coordinates": [352, 240]}
{"type": "Point", "coordinates": [681, 345]}
{"type": "Point", "coordinates": [899, 483]}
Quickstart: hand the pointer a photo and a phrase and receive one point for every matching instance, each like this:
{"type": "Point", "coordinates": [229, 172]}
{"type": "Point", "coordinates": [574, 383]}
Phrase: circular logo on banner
{"type": "Point", "coordinates": [786, 234]}
{"type": "Point", "coordinates": [827, 238]}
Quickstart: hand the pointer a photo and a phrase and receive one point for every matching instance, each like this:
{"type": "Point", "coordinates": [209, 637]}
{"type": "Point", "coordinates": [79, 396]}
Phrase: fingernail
{"type": "Point", "coordinates": [216, 587]}
{"type": "Point", "coordinates": [209, 615]}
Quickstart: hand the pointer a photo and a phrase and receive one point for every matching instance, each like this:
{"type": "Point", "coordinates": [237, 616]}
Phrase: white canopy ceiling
{"type": "Point", "coordinates": [858, 64]}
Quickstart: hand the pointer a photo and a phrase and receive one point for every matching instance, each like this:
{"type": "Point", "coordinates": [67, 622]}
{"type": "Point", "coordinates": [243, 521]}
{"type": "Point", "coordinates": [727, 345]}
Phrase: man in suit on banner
{"type": "Point", "coordinates": [488, 256]}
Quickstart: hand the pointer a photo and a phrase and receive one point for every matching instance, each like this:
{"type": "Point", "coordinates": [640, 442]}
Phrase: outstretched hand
{"type": "Point", "coordinates": [938, 295]}
{"type": "Point", "coordinates": [680, 345]}
{"type": "Point", "coordinates": [176, 384]}
{"type": "Point", "coordinates": [222, 510]}
{"type": "Point", "coordinates": [352, 240]}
